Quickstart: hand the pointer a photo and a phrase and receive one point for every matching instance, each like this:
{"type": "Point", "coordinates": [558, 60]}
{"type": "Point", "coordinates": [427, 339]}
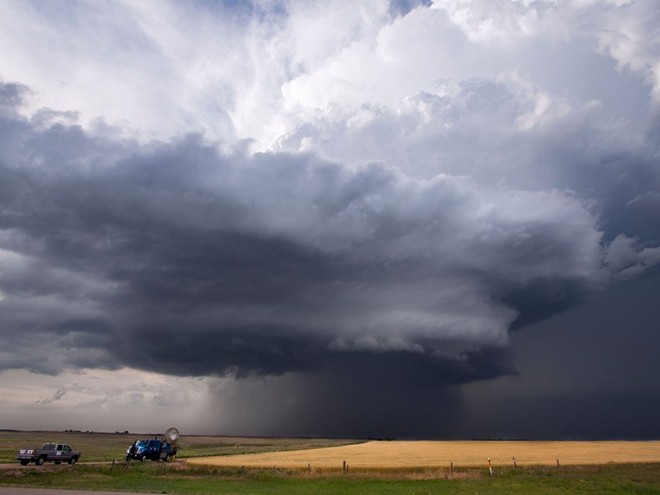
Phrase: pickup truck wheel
{"type": "Point", "coordinates": [73, 460]}
{"type": "Point", "coordinates": [40, 460]}
{"type": "Point", "coordinates": [25, 462]}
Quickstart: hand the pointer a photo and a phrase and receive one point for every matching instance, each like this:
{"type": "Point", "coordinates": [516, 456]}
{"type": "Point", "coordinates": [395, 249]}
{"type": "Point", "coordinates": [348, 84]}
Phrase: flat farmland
{"type": "Point", "coordinates": [100, 447]}
{"type": "Point", "coordinates": [224, 465]}
{"type": "Point", "coordinates": [440, 454]}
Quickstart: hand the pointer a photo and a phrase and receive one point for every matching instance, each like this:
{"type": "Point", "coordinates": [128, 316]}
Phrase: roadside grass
{"type": "Point", "coordinates": [183, 479]}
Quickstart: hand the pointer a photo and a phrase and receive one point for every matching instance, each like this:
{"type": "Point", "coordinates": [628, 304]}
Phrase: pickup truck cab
{"type": "Point", "coordinates": [51, 452]}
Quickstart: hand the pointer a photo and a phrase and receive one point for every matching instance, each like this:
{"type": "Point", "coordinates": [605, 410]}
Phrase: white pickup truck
{"type": "Point", "coordinates": [51, 452]}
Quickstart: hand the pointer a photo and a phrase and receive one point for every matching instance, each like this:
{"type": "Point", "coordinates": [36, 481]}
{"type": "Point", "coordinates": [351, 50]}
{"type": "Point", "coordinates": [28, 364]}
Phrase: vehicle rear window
{"type": "Point", "coordinates": [48, 446]}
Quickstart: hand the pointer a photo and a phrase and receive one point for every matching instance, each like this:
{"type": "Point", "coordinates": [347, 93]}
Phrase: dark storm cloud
{"type": "Point", "coordinates": [178, 258]}
{"type": "Point", "coordinates": [588, 373]}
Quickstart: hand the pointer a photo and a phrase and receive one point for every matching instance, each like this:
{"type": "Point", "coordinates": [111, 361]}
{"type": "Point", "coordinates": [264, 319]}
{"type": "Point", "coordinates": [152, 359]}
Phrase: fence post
{"type": "Point", "coordinates": [490, 468]}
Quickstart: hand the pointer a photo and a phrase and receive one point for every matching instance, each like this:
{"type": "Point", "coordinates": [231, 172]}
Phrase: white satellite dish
{"type": "Point", "coordinates": [172, 434]}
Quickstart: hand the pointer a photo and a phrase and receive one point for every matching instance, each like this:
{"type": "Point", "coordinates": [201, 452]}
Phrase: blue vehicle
{"type": "Point", "coordinates": [155, 450]}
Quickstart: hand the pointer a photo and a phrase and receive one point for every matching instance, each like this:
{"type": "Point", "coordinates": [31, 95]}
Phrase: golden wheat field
{"type": "Point", "coordinates": [411, 454]}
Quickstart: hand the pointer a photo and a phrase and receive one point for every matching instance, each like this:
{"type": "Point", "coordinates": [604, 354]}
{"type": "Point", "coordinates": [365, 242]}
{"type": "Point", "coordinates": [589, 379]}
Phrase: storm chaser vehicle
{"type": "Point", "coordinates": [49, 452]}
{"type": "Point", "coordinates": [155, 450]}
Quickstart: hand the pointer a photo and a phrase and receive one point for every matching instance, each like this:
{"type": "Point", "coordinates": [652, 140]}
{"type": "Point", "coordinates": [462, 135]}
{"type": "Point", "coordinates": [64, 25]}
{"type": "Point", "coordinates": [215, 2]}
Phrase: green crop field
{"type": "Point", "coordinates": [99, 472]}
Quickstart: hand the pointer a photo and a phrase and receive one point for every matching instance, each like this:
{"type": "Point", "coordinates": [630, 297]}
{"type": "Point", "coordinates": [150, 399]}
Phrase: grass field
{"type": "Point", "coordinates": [402, 468]}
{"type": "Point", "coordinates": [178, 478]}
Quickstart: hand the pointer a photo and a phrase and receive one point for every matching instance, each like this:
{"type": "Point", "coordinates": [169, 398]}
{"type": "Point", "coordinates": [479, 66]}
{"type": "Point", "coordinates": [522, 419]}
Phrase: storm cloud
{"type": "Point", "coordinates": [320, 235]}
{"type": "Point", "coordinates": [177, 258]}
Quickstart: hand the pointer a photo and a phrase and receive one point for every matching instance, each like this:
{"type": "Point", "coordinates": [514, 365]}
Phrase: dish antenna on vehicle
{"type": "Point", "coordinates": [172, 435]}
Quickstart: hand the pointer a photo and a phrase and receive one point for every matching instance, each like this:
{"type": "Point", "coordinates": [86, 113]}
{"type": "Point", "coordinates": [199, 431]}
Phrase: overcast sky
{"type": "Point", "coordinates": [389, 218]}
